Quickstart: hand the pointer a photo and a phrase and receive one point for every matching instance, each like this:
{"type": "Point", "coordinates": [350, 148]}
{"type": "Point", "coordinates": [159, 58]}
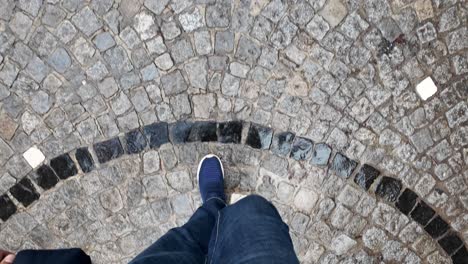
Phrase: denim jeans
{"type": "Point", "coordinates": [249, 231]}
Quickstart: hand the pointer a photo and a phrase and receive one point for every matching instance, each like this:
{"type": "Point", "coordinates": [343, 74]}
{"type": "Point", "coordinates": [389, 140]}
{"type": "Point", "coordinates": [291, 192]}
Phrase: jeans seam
{"type": "Point", "coordinates": [216, 238]}
{"type": "Point", "coordinates": [217, 199]}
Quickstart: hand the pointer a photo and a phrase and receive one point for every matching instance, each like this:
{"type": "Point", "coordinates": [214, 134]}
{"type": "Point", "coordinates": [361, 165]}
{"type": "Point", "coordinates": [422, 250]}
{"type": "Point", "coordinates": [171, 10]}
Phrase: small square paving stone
{"type": "Point", "coordinates": [282, 143]}
{"type": "Point", "coordinates": [46, 177]}
{"type": "Point", "coordinates": [426, 33]}
{"type": "Point", "coordinates": [179, 131]}
{"type": "Point", "coordinates": [24, 192]}
{"type": "Point", "coordinates": [301, 148]}
{"type": "Point", "coordinates": [317, 27]}
{"type": "Point", "coordinates": [230, 132]}
{"type": "Point", "coordinates": [437, 227]}
{"type": "Point", "coordinates": [224, 42]}
{"type": "Point", "coordinates": [406, 201]}
{"type": "Point", "coordinates": [173, 83]}
{"type": "Point", "coordinates": [85, 159]}
{"type": "Point", "coordinates": [108, 150]}
{"type": "Point", "coordinates": [422, 140]}
{"type": "Point", "coordinates": [64, 166]}
{"type": "Point", "coordinates": [343, 166]}
{"type": "Point", "coordinates": [181, 50]}
{"type": "Point", "coordinates": [60, 60]}
{"type": "Point", "coordinates": [388, 188]}
{"type": "Point", "coordinates": [203, 131]}
{"type": "Point", "coordinates": [422, 213]}
{"type": "Point", "coordinates": [86, 21]}
{"type": "Point", "coordinates": [156, 134]}
{"type": "Point", "coordinates": [450, 243]}
{"type": "Point", "coordinates": [458, 114]}
{"type": "Point", "coordinates": [259, 136]}
{"type": "Point", "coordinates": [321, 154]}
{"type": "Point", "coordinates": [7, 207]}
{"type": "Point", "coordinates": [164, 62]}
{"type": "Point", "coordinates": [104, 41]}
{"type": "Point", "coordinates": [219, 14]}
{"type": "Point", "coordinates": [135, 142]}
{"type": "Point", "coordinates": [366, 176]}
{"type": "Point", "coordinates": [192, 20]}
{"type": "Point", "coordinates": [248, 50]}
{"type": "Point", "coordinates": [461, 257]}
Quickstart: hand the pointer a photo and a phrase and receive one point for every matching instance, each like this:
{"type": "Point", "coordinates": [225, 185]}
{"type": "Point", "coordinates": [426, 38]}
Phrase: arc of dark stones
{"type": "Point", "coordinates": [285, 144]}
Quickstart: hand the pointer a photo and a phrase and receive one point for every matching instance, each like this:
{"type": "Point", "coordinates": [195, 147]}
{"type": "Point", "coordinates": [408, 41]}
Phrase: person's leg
{"type": "Point", "coordinates": [189, 243]}
{"type": "Point", "coordinates": [185, 244]}
{"type": "Point", "coordinates": [251, 231]}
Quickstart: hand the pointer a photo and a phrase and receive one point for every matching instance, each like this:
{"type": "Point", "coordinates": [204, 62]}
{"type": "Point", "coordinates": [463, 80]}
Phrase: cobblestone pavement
{"type": "Point", "coordinates": [107, 105]}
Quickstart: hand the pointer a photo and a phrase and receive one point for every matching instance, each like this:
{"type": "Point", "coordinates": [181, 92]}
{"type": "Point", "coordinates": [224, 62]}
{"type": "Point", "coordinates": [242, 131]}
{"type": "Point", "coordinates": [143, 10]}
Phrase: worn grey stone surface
{"type": "Point", "coordinates": [338, 72]}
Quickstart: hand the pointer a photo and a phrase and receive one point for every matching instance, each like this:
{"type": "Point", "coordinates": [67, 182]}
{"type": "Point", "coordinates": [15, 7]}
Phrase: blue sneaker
{"type": "Point", "coordinates": [211, 178]}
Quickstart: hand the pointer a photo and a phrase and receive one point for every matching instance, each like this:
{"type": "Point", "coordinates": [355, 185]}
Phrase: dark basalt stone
{"type": "Point", "coordinates": [156, 134]}
{"type": "Point", "coordinates": [366, 176]}
{"type": "Point", "coordinates": [450, 243]}
{"type": "Point", "coordinates": [135, 142]}
{"type": "Point", "coordinates": [406, 201]}
{"type": "Point", "coordinates": [46, 177]}
{"type": "Point", "coordinates": [108, 150]}
{"type": "Point", "coordinates": [301, 148]}
{"type": "Point", "coordinates": [282, 143]}
{"type": "Point", "coordinates": [259, 137]}
{"type": "Point", "coordinates": [24, 192]}
{"type": "Point", "coordinates": [230, 132]}
{"type": "Point", "coordinates": [203, 131]}
{"type": "Point", "coordinates": [179, 132]}
{"type": "Point", "coordinates": [422, 213]}
{"type": "Point", "coordinates": [321, 154]}
{"type": "Point", "coordinates": [63, 166]}
{"type": "Point", "coordinates": [389, 189]}
{"type": "Point", "coordinates": [461, 256]}
{"type": "Point", "coordinates": [343, 166]}
{"type": "Point", "coordinates": [7, 207]}
{"type": "Point", "coordinates": [85, 159]}
{"type": "Point", "coordinates": [437, 227]}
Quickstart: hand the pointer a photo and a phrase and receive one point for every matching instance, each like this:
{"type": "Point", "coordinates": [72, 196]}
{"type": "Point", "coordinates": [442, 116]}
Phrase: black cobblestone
{"type": "Point", "coordinates": [7, 207]}
{"type": "Point", "coordinates": [63, 166]}
{"type": "Point", "coordinates": [24, 192]}
{"type": "Point", "coordinates": [230, 132]}
{"type": "Point", "coordinates": [422, 213]}
{"type": "Point", "coordinates": [406, 201]}
{"type": "Point", "coordinates": [85, 160]}
{"type": "Point", "coordinates": [282, 143]}
{"type": "Point", "coordinates": [46, 177]}
{"type": "Point", "coordinates": [343, 166]}
{"type": "Point", "coordinates": [301, 148]}
{"type": "Point", "coordinates": [461, 256]}
{"type": "Point", "coordinates": [366, 176]}
{"type": "Point", "coordinates": [450, 243]}
{"type": "Point", "coordinates": [437, 227]}
{"type": "Point", "coordinates": [156, 134]}
{"type": "Point", "coordinates": [203, 131]}
{"type": "Point", "coordinates": [179, 132]}
{"type": "Point", "coordinates": [389, 189]}
{"type": "Point", "coordinates": [135, 142]}
{"type": "Point", "coordinates": [321, 154]}
{"type": "Point", "coordinates": [108, 150]}
{"type": "Point", "coordinates": [259, 137]}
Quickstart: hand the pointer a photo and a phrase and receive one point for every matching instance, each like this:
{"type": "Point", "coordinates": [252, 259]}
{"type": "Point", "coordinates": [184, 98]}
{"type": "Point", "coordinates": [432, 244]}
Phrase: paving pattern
{"type": "Point", "coordinates": [312, 104]}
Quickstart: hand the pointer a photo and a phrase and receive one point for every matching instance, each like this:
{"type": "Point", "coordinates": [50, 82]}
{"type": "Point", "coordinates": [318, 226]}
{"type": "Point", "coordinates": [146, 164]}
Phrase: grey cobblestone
{"type": "Point", "coordinates": [339, 72]}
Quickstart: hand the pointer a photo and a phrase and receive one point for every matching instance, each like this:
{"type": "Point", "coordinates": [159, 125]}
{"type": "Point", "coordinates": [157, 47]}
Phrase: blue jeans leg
{"type": "Point", "coordinates": [251, 231]}
{"type": "Point", "coordinates": [185, 244]}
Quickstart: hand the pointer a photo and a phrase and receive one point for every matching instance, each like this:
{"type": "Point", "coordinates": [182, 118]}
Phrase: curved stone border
{"type": "Point", "coordinates": [285, 144]}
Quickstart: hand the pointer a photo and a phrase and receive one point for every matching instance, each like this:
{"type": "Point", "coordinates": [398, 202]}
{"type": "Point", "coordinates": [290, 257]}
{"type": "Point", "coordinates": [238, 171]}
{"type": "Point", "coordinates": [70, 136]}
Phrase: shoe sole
{"type": "Point", "coordinates": [207, 157]}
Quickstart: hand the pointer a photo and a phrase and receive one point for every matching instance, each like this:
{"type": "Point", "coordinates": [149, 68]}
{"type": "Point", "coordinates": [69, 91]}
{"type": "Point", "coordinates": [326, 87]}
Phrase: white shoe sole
{"type": "Point", "coordinates": [207, 157]}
